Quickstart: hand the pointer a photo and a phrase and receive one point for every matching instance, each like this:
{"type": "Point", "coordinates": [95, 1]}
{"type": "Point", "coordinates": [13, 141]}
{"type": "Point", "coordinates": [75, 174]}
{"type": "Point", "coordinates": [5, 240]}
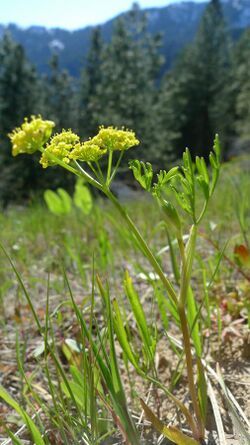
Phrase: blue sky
{"type": "Point", "coordinates": [69, 14]}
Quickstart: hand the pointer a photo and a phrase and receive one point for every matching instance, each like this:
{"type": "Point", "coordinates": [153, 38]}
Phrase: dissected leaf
{"type": "Point", "coordinates": [172, 216]}
{"type": "Point", "coordinates": [143, 173]}
{"type": "Point", "coordinates": [163, 178]}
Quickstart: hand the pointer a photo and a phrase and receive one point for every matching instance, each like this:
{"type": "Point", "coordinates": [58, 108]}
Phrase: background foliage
{"type": "Point", "coordinates": [124, 82]}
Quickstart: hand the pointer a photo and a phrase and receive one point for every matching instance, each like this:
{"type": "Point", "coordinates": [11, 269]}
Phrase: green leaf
{"type": "Point", "coordinates": [163, 178]}
{"type": "Point", "coordinates": [82, 197]}
{"type": "Point", "coordinates": [192, 317]}
{"type": "Point", "coordinates": [214, 159]}
{"type": "Point", "coordinates": [188, 166]}
{"type": "Point", "coordinates": [202, 389]}
{"type": "Point", "coordinates": [13, 437]}
{"type": "Point", "coordinates": [172, 216]}
{"type": "Point", "coordinates": [66, 200]}
{"type": "Point", "coordinates": [122, 336]}
{"type": "Point", "coordinates": [36, 435]}
{"type": "Point", "coordinates": [204, 186]}
{"type": "Point", "coordinates": [116, 388]}
{"type": "Point", "coordinates": [202, 168]}
{"type": "Point", "coordinates": [217, 147]}
{"type": "Point", "coordinates": [140, 317]}
{"type": "Point", "coordinates": [143, 173]}
{"type": "Point", "coordinates": [59, 203]}
{"type": "Point", "coordinates": [183, 201]}
{"type": "Point", "coordinates": [78, 392]}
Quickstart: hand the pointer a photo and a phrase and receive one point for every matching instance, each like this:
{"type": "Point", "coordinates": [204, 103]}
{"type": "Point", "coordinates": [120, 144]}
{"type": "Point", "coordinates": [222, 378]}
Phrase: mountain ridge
{"type": "Point", "coordinates": [177, 23]}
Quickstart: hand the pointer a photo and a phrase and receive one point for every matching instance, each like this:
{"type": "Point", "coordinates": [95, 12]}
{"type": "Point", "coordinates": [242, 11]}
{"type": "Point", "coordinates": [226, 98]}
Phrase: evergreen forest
{"type": "Point", "coordinates": [207, 91]}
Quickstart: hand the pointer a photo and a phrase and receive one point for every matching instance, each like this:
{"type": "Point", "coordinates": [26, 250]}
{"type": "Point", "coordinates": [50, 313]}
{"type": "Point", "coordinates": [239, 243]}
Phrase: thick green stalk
{"type": "Point", "coordinates": [110, 158]}
{"type": "Point", "coordinates": [190, 373]}
{"type": "Point", "coordinates": [187, 257]}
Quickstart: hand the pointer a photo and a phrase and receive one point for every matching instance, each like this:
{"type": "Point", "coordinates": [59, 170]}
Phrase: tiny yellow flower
{"type": "Point", "coordinates": [88, 152]}
{"type": "Point", "coordinates": [60, 147]}
{"type": "Point", "coordinates": [31, 135]}
{"type": "Point", "coordinates": [112, 138]}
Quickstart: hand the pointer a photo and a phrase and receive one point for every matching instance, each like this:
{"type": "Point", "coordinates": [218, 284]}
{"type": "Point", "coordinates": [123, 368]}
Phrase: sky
{"type": "Point", "coordinates": [69, 14]}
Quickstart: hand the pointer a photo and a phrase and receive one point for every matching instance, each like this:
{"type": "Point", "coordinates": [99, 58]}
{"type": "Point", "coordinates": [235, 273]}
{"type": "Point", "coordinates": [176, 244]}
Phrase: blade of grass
{"type": "Point", "coordinates": [37, 437]}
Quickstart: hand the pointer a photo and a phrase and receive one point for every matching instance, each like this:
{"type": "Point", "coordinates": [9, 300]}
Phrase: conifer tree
{"type": "Point", "coordinates": [88, 103]}
{"type": "Point", "coordinates": [202, 81]}
{"type": "Point", "coordinates": [19, 97]}
{"type": "Point", "coordinates": [242, 59]}
{"type": "Point", "coordinates": [59, 97]}
{"type": "Point", "coordinates": [127, 89]}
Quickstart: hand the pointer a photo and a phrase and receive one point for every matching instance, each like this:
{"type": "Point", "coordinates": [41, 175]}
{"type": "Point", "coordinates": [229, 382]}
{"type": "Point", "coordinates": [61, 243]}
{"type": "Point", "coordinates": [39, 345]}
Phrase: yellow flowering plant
{"type": "Point", "coordinates": [31, 135]}
{"type": "Point", "coordinates": [66, 149]}
{"type": "Point", "coordinates": [59, 148]}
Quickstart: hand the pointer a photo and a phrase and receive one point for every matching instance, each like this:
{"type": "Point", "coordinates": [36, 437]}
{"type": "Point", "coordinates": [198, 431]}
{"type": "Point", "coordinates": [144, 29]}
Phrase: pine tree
{"type": "Point", "coordinates": [17, 85]}
{"type": "Point", "coordinates": [127, 89]}
{"type": "Point", "coordinates": [59, 97]}
{"type": "Point", "coordinates": [242, 59]}
{"type": "Point", "coordinates": [202, 81]}
{"type": "Point", "coordinates": [19, 97]}
{"type": "Point", "coordinates": [171, 109]}
{"type": "Point", "coordinates": [212, 72]}
{"type": "Point", "coordinates": [88, 103]}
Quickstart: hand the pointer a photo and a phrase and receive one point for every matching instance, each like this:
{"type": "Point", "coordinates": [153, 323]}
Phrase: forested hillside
{"type": "Point", "coordinates": [177, 24]}
{"type": "Point", "coordinates": [206, 91]}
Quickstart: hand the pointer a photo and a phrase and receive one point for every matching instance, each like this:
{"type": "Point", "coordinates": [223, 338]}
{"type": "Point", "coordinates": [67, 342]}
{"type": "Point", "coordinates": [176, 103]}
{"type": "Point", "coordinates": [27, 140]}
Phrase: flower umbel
{"type": "Point", "coordinates": [112, 138]}
{"type": "Point", "coordinates": [87, 152]}
{"type": "Point", "coordinates": [31, 135]}
{"type": "Point", "coordinates": [60, 147]}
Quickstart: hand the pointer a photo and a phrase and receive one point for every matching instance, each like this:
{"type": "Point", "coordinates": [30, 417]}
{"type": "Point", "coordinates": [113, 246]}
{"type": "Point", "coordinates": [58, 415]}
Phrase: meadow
{"type": "Point", "coordinates": [129, 331]}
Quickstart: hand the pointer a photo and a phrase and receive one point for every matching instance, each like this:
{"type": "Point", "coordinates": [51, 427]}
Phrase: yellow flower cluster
{"type": "Point", "coordinates": [31, 135]}
{"type": "Point", "coordinates": [88, 152]}
{"type": "Point", "coordinates": [112, 138]}
{"type": "Point", "coordinates": [60, 147]}
{"type": "Point", "coordinates": [66, 146]}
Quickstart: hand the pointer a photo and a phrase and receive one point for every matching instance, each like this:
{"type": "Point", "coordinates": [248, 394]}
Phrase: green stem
{"type": "Point", "coordinates": [97, 174]}
{"type": "Point", "coordinates": [100, 172]}
{"type": "Point", "coordinates": [202, 212]}
{"type": "Point", "coordinates": [153, 261]}
{"type": "Point", "coordinates": [181, 249]}
{"type": "Point", "coordinates": [190, 373]}
{"type": "Point", "coordinates": [88, 177]}
{"type": "Point", "coordinates": [117, 166]}
{"type": "Point", "coordinates": [180, 405]}
{"type": "Point", "coordinates": [110, 158]}
{"type": "Point", "coordinates": [147, 251]}
{"type": "Point", "coordinates": [187, 256]}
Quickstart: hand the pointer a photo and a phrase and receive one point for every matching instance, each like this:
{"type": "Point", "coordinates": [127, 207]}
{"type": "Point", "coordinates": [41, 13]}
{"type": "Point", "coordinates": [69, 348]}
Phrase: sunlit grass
{"type": "Point", "coordinates": [77, 365]}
